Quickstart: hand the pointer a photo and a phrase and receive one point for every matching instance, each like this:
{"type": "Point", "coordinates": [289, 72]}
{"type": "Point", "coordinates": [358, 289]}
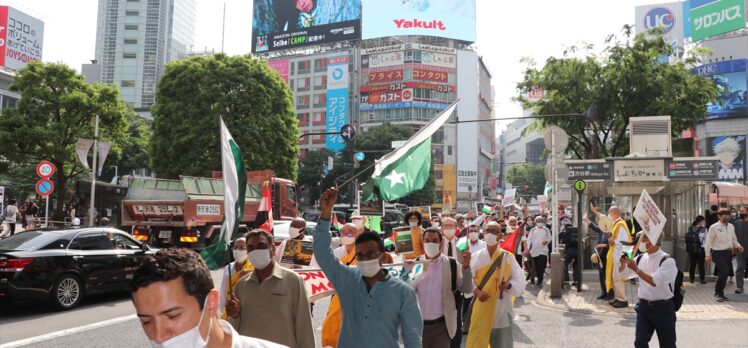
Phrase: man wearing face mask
{"type": "Point", "coordinates": [346, 253]}
{"type": "Point", "coordinates": [414, 219]}
{"type": "Point", "coordinates": [233, 272]}
{"type": "Point", "coordinates": [177, 305]}
{"type": "Point", "coordinates": [449, 248]}
{"type": "Point", "coordinates": [720, 243]}
{"type": "Point", "coordinates": [497, 277]}
{"type": "Point", "coordinates": [295, 231]}
{"type": "Point", "coordinates": [377, 308]}
{"type": "Point", "coordinates": [272, 302]}
{"type": "Point", "coordinates": [475, 244]}
{"type": "Point", "coordinates": [438, 288]}
{"type": "Point", "coordinates": [538, 239]}
{"type": "Point", "coordinates": [655, 311]}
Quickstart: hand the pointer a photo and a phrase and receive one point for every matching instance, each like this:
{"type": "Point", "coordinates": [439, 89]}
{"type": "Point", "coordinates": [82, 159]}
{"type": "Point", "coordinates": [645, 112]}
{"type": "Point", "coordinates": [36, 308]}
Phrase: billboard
{"type": "Point", "coordinates": [386, 76]}
{"type": "Point", "coordinates": [281, 66]}
{"type": "Point", "coordinates": [388, 97]}
{"type": "Point", "coordinates": [21, 38]}
{"type": "Point", "coordinates": [405, 104]}
{"type": "Point", "coordinates": [467, 152]}
{"type": "Point", "coordinates": [731, 153]}
{"type": "Point", "coordinates": [284, 24]}
{"type": "Point", "coordinates": [381, 60]}
{"type": "Point", "coordinates": [404, 85]}
{"type": "Point", "coordinates": [716, 17]}
{"type": "Point", "coordinates": [669, 17]}
{"type": "Point", "coordinates": [730, 77]}
{"type": "Point", "coordinates": [453, 19]}
{"type": "Point", "coordinates": [337, 101]}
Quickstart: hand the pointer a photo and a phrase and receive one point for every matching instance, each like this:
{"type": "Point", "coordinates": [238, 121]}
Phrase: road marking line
{"type": "Point", "coordinates": [52, 335]}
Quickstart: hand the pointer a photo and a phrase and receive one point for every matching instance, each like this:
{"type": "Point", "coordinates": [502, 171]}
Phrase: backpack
{"type": "Point", "coordinates": [679, 291]}
{"type": "Point", "coordinates": [693, 244]}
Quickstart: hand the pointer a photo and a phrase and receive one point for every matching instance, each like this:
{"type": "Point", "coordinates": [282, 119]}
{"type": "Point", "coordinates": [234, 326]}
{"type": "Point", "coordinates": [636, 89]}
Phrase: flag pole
{"type": "Point", "coordinates": [357, 175]}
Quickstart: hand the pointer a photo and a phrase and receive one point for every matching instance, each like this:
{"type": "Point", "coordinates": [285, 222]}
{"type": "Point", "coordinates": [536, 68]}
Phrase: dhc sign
{"type": "Point", "coordinates": [659, 17]}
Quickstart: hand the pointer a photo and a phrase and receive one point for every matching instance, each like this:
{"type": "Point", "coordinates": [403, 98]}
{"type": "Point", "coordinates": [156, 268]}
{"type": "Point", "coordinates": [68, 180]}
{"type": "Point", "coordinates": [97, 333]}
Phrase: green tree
{"type": "Point", "coordinates": [254, 102]}
{"type": "Point", "coordinates": [133, 154]}
{"type": "Point", "coordinates": [625, 81]}
{"type": "Point", "coordinates": [375, 143]}
{"type": "Point", "coordinates": [56, 108]}
{"type": "Point", "coordinates": [528, 179]}
{"type": "Point", "coordinates": [311, 174]}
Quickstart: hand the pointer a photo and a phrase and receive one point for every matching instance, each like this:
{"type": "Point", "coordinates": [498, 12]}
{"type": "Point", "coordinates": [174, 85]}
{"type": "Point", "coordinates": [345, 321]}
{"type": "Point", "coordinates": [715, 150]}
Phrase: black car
{"type": "Point", "coordinates": [63, 266]}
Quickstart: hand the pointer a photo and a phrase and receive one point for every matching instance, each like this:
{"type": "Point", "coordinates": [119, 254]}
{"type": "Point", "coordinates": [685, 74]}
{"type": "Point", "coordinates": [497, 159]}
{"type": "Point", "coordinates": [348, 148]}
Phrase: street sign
{"type": "Point", "coordinates": [360, 156]}
{"type": "Point", "coordinates": [692, 169]}
{"type": "Point", "coordinates": [561, 138]}
{"type": "Point", "coordinates": [580, 185]}
{"type": "Point", "coordinates": [347, 132]}
{"type": "Point", "coordinates": [591, 171]}
{"type": "Point", "coordinates": [44, 187]}
{"type": "Point", "coordinates": [45, 169]}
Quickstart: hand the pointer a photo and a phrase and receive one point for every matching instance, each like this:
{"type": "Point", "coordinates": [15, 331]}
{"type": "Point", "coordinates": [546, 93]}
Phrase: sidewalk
{"type": "Point", "coordinates": [698, 303]}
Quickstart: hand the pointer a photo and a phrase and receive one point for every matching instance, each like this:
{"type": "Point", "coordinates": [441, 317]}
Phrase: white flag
{"type": "Point", "coordinates": [81, 148]}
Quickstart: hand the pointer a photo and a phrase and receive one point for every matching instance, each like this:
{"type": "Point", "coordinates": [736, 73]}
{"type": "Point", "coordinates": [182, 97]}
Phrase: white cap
{"type": "Point", "coordinates": [76, 222]}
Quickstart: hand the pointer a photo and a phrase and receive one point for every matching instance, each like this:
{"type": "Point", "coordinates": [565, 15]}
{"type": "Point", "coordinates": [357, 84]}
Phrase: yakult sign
{"type": "Point", "coordinates": [21, 38]}
{"type": "Point", "coordinates": [454, 19]}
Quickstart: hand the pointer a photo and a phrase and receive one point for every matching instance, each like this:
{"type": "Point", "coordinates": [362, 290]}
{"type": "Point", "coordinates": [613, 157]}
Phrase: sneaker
{"type": "Point", "coordinates": [620, 304]}
{"type": "Point", "coordinates": [602, 297]}
{"type": "Point", "coordinates": [720, 298]}
{"type": "Point", "coordinates": [738, 291]}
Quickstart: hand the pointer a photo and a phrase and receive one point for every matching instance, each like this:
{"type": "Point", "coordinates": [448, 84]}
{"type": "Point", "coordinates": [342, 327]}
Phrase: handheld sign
{"type": "Point", "coordinates": [649, 216]}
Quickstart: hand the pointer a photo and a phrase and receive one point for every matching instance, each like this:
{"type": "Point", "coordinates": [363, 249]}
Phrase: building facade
{"type": "Point", "coordinates": [134, 41]}
{"type": "Point", "coordinates": [404, 80]}
{"type": "Point", "coordinates": [8, 98]}
{"type": "Point", "coordinates": [518, 148]}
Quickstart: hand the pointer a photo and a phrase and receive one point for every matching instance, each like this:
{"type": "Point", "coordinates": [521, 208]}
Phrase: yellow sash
{"type": "Point", "coordinates": [609, 271]}
{"type": "Point", "coordinates": [481, 321]}
{"type": "Point", "coordinates": [334, 317]}
{"type": "Point", "coordinates": [235, 276]}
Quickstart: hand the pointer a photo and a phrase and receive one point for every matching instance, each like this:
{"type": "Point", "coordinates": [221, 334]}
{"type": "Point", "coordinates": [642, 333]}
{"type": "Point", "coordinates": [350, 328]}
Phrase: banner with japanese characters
{"type": "Point", "coordinates": [337, 101]}
{"type": "Point", "coordinates": [21, 38]}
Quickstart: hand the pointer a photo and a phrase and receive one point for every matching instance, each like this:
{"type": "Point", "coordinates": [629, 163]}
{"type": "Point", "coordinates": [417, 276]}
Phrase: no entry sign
{"type": "Point", "coordinates": [45, 169]}
{"type": "Point", "coordinates": [44, 187]}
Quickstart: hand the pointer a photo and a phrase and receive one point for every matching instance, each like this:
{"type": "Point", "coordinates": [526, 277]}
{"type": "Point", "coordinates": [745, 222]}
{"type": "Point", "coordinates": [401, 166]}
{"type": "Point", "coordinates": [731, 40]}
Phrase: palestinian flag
{"type": "Point", "coordinates": [234, 188]}
{"type": "Point", "coordinates": [486, 209]}
{"type": "Point", "coordinates": [266, 206]}
{"type": "Point", "coordinates": [406, 169]}
{"type": "Point", "coordinates": [462, 243]}
{"type": "Point", "coordinates": [338, 226]}
{"type": "Point", "coordinates": [512, 242]}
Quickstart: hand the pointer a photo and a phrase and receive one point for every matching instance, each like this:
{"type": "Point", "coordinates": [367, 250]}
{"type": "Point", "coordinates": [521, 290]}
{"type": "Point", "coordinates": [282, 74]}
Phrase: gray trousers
{"type": "Point", "coordinates": [504, 337]}
{"type": "Point", "coordinates": [740, 272]}
{"type": "Point", "coordinates": [436, 336]}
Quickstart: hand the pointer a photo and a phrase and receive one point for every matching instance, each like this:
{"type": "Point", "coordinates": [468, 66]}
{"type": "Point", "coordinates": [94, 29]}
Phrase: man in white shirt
{"type": "Point", "coordinates": [177, 305]}
{"type": "Point", "coordinates": [538, 240]}
{"type": "Point", "coordinates": [720, 242]}
{"type": "Point", "coordinates": [655, 310]}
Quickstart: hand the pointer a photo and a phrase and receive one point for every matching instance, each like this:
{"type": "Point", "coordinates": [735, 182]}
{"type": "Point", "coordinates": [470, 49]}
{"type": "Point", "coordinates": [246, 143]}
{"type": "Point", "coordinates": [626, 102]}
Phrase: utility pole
{"type": "Point", "coordinates": [91, 209]}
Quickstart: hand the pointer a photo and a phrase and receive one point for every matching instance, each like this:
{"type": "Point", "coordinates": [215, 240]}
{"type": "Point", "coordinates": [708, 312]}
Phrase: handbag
{"type": "Point", "coordinates": [469, 313]}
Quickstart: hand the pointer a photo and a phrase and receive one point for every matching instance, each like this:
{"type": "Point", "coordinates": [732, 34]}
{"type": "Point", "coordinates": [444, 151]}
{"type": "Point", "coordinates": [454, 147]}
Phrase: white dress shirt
{"type": "Point", "coordinates": [504, 308]}
{"type": "Point", "coordinates": [663, 276]}
{"type": "Point", "coordinates": [476, 247]}
{"type": "Point", "coordinates": [535, 239]}
{"type": "Point", "coordinates": [239, 341]}
{"type": "Point", "coordinates": [720, 237]}
{"type": "Point", "coordinates": [445, 247]}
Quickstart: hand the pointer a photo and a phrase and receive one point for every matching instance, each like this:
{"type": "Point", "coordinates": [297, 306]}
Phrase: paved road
{"type": "Point", "coordinates": [535, 327]}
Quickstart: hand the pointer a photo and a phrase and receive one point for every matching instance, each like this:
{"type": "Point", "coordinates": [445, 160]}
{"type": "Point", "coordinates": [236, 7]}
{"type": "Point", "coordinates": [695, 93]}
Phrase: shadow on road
{"type": "Point", "coordinates": [13, 311]}
{"type": "Point", "coordinates": [582, 318]}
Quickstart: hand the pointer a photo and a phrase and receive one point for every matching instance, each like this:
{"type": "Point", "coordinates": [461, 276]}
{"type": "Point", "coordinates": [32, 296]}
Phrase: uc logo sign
{"type": "Point", "coordinates": [337, 74]}
{"type": "Point", "coordinates": [659, 17]}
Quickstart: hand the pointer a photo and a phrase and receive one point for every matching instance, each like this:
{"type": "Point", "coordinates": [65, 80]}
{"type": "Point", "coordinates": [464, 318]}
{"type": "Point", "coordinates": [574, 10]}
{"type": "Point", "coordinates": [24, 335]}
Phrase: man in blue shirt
{"type": "Point", "coordinates": [371, 300]}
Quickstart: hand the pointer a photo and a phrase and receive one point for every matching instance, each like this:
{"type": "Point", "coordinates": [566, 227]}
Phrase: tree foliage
{"type": "Point", "coordinates": [254, 102]}
{"type": "Point", "coordinates": [311, 174]}
{"type": "Point", "coordinates": [134, 149]}
{"type": "Point", "coordinates": [625, 81]}
{"type": "Point", "coordinates": [56, 108]}
{"type": "Point", "coordinates": [528, 179]}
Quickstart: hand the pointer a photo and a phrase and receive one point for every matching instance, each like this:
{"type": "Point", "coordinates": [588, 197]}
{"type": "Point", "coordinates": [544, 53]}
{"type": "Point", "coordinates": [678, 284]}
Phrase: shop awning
{"type": "Point", "coordinates": [731, 193]}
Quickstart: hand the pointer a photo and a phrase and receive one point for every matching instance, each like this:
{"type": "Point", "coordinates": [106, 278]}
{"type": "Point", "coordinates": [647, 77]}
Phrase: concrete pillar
{"type": "Point", "coordinates": [557, 274]}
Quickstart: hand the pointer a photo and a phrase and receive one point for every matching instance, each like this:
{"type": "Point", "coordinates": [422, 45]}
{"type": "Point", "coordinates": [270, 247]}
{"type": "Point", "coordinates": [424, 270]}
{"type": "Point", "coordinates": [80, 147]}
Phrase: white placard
{"type": "Point", "coordinates": [649, 217]}
{"type": "Point", "coordinates": [509, 197]}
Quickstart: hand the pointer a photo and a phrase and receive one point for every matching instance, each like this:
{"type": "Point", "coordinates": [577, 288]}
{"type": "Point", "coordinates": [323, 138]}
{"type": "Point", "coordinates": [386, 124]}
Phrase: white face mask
{"type": "Point", "coordinates": [293, 232]}
{"type": "Point", "coordinates": [240, 255]}
{"type": "Point", "coordinates": [369, 268]}
{"type": "Point", "coordinates": [259, 258]}
{"type": "Point", "coordinates": [474, 236]}
{"type": "Point", "coordinates": [435, 224]}
{"type": "Point", "coordinates": [347, 240]}
{"type": "Point", "coordinates": [491, 239]}
{"type": "Point", "coordinates": [190, 338]}
{"type": "Point", "coordinates": [449, 232]}
{"type": "Point", "coordinates": [412, 223]}
{"type": "Point", "coordinates": [359, 223]}
{"type": "Point", "coordinates": [643, 248]}
{"type": "Point", "coordinates": [431, 249]}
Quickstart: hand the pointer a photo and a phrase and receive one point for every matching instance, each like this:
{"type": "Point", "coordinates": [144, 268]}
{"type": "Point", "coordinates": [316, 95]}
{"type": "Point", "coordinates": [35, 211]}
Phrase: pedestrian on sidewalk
{"type": "Point", "coordinates": [538, 239]}
{"type": "Point", "coordinates": [741, 233]}
{"type": "Point", "coordinates": [695, 238]}
{"type": "Point", "coordinates": [620, 234]}
{"type": "Point", "coordinates": [655, 311]}
{"type": "Point", "coordinates": [602, 247]}
{"type": "Point", "coordinates": [12, 215]}
{"type": "Point", "coordinates": [720, 244]}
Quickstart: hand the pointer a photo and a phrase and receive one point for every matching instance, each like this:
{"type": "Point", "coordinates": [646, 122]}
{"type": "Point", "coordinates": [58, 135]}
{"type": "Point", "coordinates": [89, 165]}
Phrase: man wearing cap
{"type": "Point", "coordinates": [655, 311]}
{"type": "Point", "coordinates": [602, 248]}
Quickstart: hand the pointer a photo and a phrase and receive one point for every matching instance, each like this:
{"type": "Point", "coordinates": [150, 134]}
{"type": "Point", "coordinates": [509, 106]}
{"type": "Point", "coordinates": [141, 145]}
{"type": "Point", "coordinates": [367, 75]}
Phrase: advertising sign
{"type": "Point", "coordinates": [438, 59]}
{"type": "Point", "coordinates": [386, 76]}
{"type": "Point", "coordinates": [21, 38]}
{"type": "Point", "coordinates": [649, 216]}
{"type": "Point", "coordinates": [716, 18]}
{"type": "Point", "coordinates": [467, 181]}
{"type": "Point", "coordinates": [284, 24]}
{"type": "Point", "coordinates": [731, 153]}
{"type": "Point", "coordinates": [668, 16]}
{"type": "Point", "coordinates": [430, 75]}
{"type": "Point", "coordinates": [337, 101]}
{"type": "Point", "coordinates": [388, 97]}
{"type": "Point", "coordinates": [454, 19]}
{"type": "Point", "coordinates": [413, 85]}
{"type": "Point", "coordinates": [692, 169]}
{"type": "Point", "coordinates": [406, 104]}
{"type": "Point", "coordinates": [380, 60]}
{"type": "Point", "coordinates": [280, 66]}
{"type": "Point", "coordinates": [639, 170]}
{"type": "Point", "coordinates": [730, 77]}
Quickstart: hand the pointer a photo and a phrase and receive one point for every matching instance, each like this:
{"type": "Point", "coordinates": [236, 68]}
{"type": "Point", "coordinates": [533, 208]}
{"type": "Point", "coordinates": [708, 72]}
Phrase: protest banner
{"type": "Point", "coordinates": [509, 196]}
{"type": "Point", "coordinates": [297, 252]}
{"type": "Point", "coordinates": [649, 216]}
